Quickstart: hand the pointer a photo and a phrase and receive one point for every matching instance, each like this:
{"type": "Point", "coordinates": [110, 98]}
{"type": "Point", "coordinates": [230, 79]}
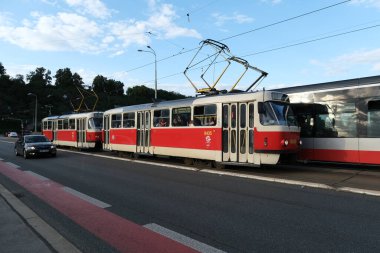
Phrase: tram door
{"type": "Point", "coordinates": [81, 132]}
{"type": "Point", "coordinates": [143, 131]}
{"type": "Point", "coordinates": [106, 125]}
{"type": "Point", "coordinates": [238, 132]}
{"type": "Point", "coordinates": [55, 127]}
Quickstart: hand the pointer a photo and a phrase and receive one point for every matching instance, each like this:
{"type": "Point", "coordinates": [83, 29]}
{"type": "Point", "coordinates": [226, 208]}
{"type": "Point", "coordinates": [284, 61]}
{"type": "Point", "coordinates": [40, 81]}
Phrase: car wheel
{"type": "Point", "coordinates": [25, 154]}
{"type": "Point", "coordinates": [16, 152]}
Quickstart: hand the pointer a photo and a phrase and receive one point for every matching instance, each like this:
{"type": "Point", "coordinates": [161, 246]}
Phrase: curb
{"type": "Point", "coordinates": [49, 234]}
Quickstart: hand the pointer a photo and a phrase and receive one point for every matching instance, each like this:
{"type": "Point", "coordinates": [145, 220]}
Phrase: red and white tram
{"type": "Point", "coordinates": [340, 121]}
{"type": "Point", "coordinates": [81, 130]}
{"type": "Point", "coordinates": [250, 128]}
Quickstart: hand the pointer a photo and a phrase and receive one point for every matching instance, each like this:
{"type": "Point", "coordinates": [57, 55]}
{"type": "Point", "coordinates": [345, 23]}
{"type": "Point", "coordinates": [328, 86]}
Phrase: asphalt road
{"type": "Point", "coordinates": [232, 214]}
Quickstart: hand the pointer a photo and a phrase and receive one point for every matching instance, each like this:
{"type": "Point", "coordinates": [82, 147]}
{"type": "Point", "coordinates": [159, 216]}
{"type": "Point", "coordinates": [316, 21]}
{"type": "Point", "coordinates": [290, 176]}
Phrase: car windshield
{"type": "Point", "coordinates": [95, 123]}
{"type": "Point", "coordinates": [34, 139]}
{"type": "Point", "coordinates": [277, 113]}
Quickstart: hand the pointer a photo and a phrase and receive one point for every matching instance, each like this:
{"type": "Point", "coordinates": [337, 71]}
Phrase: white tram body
{"type": "Point", "coordinates": [340, 121]}
{"type": "Point", "coordinates": [225, 128]}
{"type": "Point", "coordinates": [80, 130]}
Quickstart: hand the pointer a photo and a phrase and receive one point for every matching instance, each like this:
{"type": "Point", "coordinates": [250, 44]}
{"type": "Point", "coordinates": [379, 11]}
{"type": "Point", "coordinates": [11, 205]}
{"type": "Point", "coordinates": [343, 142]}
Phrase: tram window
{"type": "Point", "coordinates": [71, 123]}
{"type": "Point", "coordinates": [65, 124]}
{"type": "Point", "coordinates": [373, 129]}
{"type": "Point", "coordinates": [324, 121]}
{"type": "Point", "coordinates": [251, 115]}
{"type": "Point", "coordinates": [49, 125]}
{"type": "Point", "coordinates": [44, 125]}
{"type": "Point", "coordinates": [181, 116]}
{"type": "Point", "coordinates": [242, 142]}
{"type": "Point", "coordinates": [161, 118]}
{"type": "Point", "coordinates": [345, 121]}
{"type": "Point", "coordinates": [233, 116]}
{"type": "Point", "coordinates": [243, 116]}
{"type": "Point", "coordinates": [95, 123]}
{"type": "Point", "coordinates": [250, 141]}
{"type": "Point", "coordinates": [60, 124]}
{"type": "Point", "coordinates": [205, 115]}
{"type": "Point", "coordinates": [225, 141]}
{"type": "Point", "coordinates": [129, 120]}
{"type": "Point", "coordinates": [116, 121]}
{"type": "Point", "coordinates": [225, 116]}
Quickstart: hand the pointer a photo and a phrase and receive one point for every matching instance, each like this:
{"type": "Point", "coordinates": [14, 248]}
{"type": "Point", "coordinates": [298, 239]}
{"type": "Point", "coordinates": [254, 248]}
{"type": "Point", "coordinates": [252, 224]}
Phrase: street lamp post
{"type": "Point", "coordinates": [155, 68]}
{"type": "Point", "coordinates": [35, 112]}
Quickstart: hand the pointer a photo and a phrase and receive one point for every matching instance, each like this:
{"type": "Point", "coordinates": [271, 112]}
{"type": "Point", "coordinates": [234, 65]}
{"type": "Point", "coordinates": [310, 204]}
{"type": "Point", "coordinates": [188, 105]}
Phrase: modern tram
{"type": "Point", "coordinates": [80, 130]}
{"type": "Point", "coordinates": [250, 128]}
{"type": "Point", "coordinates": [340, 121]}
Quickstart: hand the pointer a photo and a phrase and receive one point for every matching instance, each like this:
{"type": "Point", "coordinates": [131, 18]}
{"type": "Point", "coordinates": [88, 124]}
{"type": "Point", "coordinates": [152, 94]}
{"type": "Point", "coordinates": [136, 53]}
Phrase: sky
{"type": "Point", "coordinates": [296, 42]}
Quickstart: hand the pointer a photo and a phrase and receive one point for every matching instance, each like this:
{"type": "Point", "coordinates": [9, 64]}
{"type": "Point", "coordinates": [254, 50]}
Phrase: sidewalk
{"type": "Point", "coordinates": [21, 230]}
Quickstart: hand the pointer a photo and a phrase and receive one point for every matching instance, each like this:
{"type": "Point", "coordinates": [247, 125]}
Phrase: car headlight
{"type": "Point", "coordinates": [52, 147]}
{"type": "Point", "coordinates": [30, 148]}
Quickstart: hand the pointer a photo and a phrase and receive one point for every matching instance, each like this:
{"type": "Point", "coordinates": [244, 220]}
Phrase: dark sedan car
{"type": "Point", "coordinates": [33, 145]}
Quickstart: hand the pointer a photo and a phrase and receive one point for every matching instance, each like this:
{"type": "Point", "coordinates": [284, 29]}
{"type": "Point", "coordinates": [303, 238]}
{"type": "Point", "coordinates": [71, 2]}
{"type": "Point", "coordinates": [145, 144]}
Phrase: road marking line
{"type": "Point", "coordinates": [15, 166]}
{"type": "Point", "coordinates": [42, 178]}
{"type": "Point", "coordinates": [359, 191]}
{"type": "Point", "coordinates": [135, 161]}
{"type": "Point", "coordinates": [12, 142]}
{"type": "Point", "coordinates": [270, 179]}
{"type": "Point", "coordinates": [241, 175]}
{"type": "Point", "coordinates": [87, 198]}
{"type": "Point", "coordinates": [201, 247]}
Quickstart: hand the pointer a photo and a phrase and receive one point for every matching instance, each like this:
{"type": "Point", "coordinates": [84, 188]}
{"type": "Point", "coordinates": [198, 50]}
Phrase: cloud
{"type": "Point", "coordinates": [367, 3]}
{"type": "Point", "coordinates": [220, 19]}
{"type": "Point", "coordinates": [68, 31]}
{"type": "Point", "coordinates": [346, 62]}
{"type": "Point", "coordinates": [92, 7]}
{"type": "Point", "coordinates": [65, 31]}
{"type": "Point", "coordinates": [271, 1]}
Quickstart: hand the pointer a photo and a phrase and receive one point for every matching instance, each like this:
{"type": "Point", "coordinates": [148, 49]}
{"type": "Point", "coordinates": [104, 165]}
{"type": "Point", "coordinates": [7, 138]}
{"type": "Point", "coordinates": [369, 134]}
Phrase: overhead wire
{"type": "Point", "coordinates": [243, 33]}
{"type": "Point", "coordinates": [281, 47]}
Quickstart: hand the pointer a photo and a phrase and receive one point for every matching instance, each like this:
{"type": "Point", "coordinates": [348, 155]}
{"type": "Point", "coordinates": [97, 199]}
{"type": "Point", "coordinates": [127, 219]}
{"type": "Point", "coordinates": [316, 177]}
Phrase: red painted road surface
{"type": "Point", "coordinates": [122, 234]}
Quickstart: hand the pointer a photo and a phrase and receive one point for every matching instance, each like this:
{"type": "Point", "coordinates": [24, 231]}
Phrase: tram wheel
{"type": "Point", "coordinates": [188, 161]}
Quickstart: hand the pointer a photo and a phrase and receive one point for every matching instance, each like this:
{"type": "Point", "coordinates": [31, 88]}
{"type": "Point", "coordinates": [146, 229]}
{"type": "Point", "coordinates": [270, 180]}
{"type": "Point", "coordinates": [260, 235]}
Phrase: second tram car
{"type": "Point", "coordinates": [340, 121]}
{"type": "Point", "coordinates": [80, 130]}
{"type": "Point", "coordinates": [251, 128]}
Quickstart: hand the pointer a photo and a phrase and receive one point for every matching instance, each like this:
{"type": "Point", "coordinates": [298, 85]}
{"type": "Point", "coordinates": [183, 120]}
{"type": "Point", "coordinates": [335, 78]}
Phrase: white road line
{"type": "Point", "coordinates": [234, 174]}
{"type": "Point", "coordinates": [135, 161]}
{"type": "Point", "coordinates": [199, 246]}
{"type": "Point", "coordinates": [87, 198]}
{"type": "Point", "coordinates": [12, 142]}
{"type": "Point", "coordinates": [15, 166]}
{"type": "Point", "coordinates": [37, 175]}
{"type": "Point", "coordinates": [270, 179]}
{"type": "Point", "coordinates": [359, 191]}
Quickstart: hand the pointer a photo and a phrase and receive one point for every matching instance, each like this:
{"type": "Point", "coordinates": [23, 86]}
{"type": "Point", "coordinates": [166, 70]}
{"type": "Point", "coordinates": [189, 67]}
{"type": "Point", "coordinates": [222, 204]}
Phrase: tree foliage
{"type": "Point", "coordinates": [66, 95]}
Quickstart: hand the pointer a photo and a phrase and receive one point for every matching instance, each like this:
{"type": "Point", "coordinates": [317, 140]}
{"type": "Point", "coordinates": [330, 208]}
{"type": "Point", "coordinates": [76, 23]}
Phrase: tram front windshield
{"type": "Point", "coordinates": [95, 123]}
{"type": "Point", "coordinates": [277, 113]}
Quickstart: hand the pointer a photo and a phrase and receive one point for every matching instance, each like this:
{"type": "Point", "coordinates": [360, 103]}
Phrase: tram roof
{"type": "Point", "coordinates": [225, 98]}
{"type": "Point", "coordinates": [331, 85]}
{"type": "Point", "coordinates": [73, 115]}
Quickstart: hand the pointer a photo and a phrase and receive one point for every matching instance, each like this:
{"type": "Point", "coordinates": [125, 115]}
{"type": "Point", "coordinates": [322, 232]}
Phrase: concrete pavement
{"type": "Point", "coordinates": [22, 230]}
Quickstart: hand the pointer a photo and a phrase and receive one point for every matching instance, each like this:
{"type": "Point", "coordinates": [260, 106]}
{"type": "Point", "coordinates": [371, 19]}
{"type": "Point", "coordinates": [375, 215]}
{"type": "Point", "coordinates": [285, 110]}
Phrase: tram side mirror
{"type": "Point", "coordinates": [260, 107]}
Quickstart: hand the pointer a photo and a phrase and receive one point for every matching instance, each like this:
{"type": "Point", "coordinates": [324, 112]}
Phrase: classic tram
{"type": "Point", "coordinates": [81, 130]}
{"type": "Point", "coordinates": [340, 121]}
{"type": "Point", "coordinates": [251, 128]}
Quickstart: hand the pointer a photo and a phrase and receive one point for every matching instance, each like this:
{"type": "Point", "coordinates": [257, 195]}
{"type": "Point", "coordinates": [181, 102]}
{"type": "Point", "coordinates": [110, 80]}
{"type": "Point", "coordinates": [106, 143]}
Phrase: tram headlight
{"type": "Point", "coordinates": [285, 142]}
{"type": "Point", "coordinates": [300, 142]}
